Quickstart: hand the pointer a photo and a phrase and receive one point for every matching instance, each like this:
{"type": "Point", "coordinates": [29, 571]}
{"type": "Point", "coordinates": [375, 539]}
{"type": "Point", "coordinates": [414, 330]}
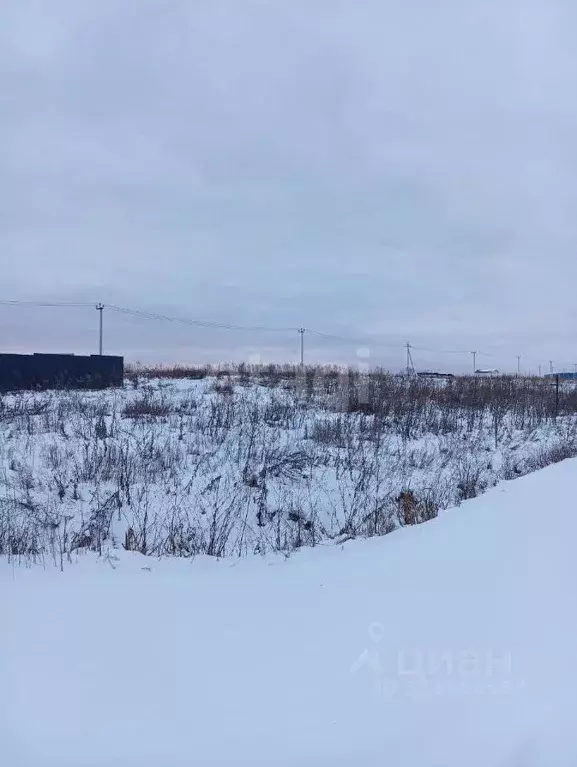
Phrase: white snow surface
{"type": "Point", "coordinates": [453, 643]}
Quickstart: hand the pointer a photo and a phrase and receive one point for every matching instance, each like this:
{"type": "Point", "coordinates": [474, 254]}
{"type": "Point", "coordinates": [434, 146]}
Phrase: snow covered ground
{"type": "Point", "coordinates": [447, 644]}
{"type": "Point", "coordinates": [235, 467]}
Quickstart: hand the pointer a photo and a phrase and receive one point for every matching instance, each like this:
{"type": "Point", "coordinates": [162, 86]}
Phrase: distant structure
{"type": "Point", "coordinates": [487, 372]}
{"type": "Point", "coordinates": [565, 376]}
{"type": "Point", "coordinates": [434, 374]}
{"type": "Point", "coordinates": [59, 371]}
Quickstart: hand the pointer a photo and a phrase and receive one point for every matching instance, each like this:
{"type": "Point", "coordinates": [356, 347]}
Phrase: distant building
{"type": "Point", "coordinates": [434, 374]}
{"type": "Point", "coordinates": [59, 371]}
{"type": "Point", "coordinates": [564, 376]}
{"type": "Point", "coordinates": [487, 372]}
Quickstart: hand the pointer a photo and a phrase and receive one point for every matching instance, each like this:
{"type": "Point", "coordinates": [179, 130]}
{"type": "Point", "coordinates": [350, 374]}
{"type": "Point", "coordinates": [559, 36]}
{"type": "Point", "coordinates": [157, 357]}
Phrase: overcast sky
{"type": "Point", "coordinates": [386, 170]}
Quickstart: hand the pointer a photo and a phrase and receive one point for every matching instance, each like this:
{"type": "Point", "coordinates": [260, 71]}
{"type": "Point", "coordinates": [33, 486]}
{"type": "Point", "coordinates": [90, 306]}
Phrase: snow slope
{"type": "Point", "coordinates": [453, 643]}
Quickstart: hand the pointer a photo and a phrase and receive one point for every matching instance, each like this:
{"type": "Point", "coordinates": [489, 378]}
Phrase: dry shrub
{"type": "Point", "coordinates": [413, 509]}
{"type": "Point", "coordinates": [146, 407]}
{"type": "Point", "coordinates": [171, 372]}
{"type": "Point", "coordinates": [223, 386]}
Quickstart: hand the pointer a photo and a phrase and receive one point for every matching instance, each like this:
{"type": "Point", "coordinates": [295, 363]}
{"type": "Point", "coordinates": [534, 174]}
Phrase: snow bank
{"type": "Point", "coordinates": [453, 643]}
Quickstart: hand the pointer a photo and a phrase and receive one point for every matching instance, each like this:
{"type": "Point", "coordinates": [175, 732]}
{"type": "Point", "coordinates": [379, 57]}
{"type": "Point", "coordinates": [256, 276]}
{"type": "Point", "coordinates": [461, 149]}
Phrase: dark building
{"type": "Point", "coordinates": [59, 371]}
{"type": "Point", "coordinates": [564, 376]}
{"type": "Point", "coordinates": [434, 374]}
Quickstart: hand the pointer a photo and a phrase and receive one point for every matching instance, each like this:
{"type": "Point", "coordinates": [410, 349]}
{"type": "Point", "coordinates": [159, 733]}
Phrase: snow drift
{"type": "Point", "coordinates": [452, 643]}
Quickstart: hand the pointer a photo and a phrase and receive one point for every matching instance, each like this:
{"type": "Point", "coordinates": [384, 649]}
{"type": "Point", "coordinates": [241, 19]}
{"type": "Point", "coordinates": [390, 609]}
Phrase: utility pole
{"type": "Point", "coordinates": [302, 331]}
{"type": "Point", "coordinates": [539, 371]}
{"type": "Point", "coordinates": [474, 361]}
{"type": "Point", "coordinates": [410, 364]}
{"type": "Point", "coordinates": [100, 309]}
{"type": "Point", "coordinates": [556, 396]}
{"type": "Point", "coordinates": [518, 364]}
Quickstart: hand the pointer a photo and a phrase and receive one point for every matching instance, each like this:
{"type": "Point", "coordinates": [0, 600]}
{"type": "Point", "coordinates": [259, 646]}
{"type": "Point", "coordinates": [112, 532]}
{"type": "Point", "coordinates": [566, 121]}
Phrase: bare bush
{"type": "Point", "coordinates": [224, 387]}
{"type": "Point", "coordinates": [172, 372]}
{"type": "Point", "coordinates": [261, 458]}
{"type": "Point", "coordinates": [146, 407]}
{"type": "Point", "coordinates": [413, 509]}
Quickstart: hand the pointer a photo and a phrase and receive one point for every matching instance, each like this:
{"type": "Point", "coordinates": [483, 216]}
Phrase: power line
{"type": "Point", "coordinates": [450, 351]}
{"type": "Point", "coordinates": [223, 326]}
{"type": "Point", "coordinates": [361, 341]}
{"type": "Point", "coordinates": [64, 304]}
{"type": "Point", "coordinates": [440, 351]}
{"type": "Point", "coordinates": [330, 336]}
{"type": "Point", "coordinates": [226, 326]}
{"type": "Point", "coordinates": [197, 323]}
{"type": "Point", "coordinates": [367, 341]}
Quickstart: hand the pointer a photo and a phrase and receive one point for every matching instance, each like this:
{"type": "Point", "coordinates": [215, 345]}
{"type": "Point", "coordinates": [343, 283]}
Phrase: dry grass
{"type": "Point", "coordinates": [255, 459]}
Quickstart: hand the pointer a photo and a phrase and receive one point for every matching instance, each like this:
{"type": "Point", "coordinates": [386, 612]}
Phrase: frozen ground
{"type": "Point", "coordinates": [447, 644]}
{"type": "Point", "coordinates": [258, 463]}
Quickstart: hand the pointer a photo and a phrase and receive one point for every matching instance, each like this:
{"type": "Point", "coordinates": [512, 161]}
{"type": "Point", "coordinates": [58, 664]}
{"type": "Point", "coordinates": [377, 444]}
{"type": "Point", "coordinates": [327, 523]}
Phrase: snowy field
{"type": "Point", "coordinates": [260, 462]}
{"type": "Point", "coordinates": [448, 644]}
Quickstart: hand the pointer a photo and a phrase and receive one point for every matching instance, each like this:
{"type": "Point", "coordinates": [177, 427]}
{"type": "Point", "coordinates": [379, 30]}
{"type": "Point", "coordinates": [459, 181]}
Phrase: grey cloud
{"type": "Point", "coordinates": [380, 170]}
